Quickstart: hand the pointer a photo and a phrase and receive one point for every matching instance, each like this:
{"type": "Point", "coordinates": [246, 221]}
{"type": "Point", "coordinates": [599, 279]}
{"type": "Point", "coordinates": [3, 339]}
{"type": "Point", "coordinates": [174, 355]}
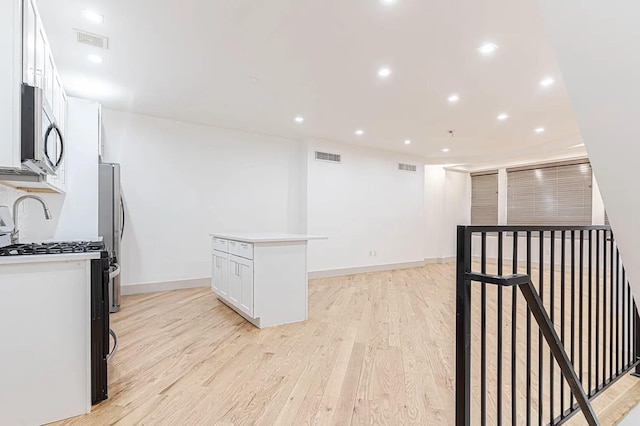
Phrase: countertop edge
{"type": "Point", "coordinates": [267, 238]}
{"type": "Point", "coordinates": [40, 258]}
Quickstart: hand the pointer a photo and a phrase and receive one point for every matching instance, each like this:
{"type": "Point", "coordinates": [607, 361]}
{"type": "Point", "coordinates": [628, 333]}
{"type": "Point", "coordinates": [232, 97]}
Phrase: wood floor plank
{"type": "Point", "coordinates": [378, 348]}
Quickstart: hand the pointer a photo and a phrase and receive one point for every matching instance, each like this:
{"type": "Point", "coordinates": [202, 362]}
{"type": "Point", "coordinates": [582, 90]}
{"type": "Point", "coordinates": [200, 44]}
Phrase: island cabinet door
{"type": "Point", "coordinates": [220, 275]}
{"type": "Point", "coordinates": [246, 279]}
{"type": "Point", "coordinates": [235, 281]}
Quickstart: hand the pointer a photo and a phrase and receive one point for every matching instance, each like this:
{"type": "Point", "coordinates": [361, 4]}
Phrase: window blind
{"type": "Point", "coordinates": [484, 198]}
{"type": "Point", "coordinates": [551, 194]}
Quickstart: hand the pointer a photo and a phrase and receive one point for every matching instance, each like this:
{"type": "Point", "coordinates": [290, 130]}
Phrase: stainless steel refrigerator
{"type": "Point", "coordinates": [111, 225]}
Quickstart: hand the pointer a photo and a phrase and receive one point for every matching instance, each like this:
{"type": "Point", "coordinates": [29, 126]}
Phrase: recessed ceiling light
{"type": "Point", "coordinates": [539, 130]}
{"type": "Point", "coordinates": [453, 98]}
{"type": "Point", "coordinates": [359, 132]}
{"type": "Point", "coordinates": [407, 142]}
{"type": "Point", "coordinates": [445, 149]}
{"type": "Point", "coordinates": [503, 116]}
{"type": "Point", "coordinates": [389, 2]}
{"type": "Point", "coordinates": [384, 72]}
{"type": "Point", "coordinates": [96, 59]}
{"type": "Point", "coordinates": [487, 48]}
{"type": "Point", "coordinates": [92, 16]}
{"type": "Point", "coordinates": [547, 82]}
{"type": "Point", "coordinates": [298, 119]}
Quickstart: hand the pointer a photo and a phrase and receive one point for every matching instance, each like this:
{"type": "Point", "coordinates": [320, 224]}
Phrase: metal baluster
{"type": "Point", "coordinates": [604, 308]}
{"type": "Point", "coordinates": [514, 327]}
{"type": "Point", "coordinates": [617, 312]}
{"type": "Point", "coordinates": [483, 332]}
{"type": "Point", "coordinates": [612, 349]}
{"type": "Point", "coordinates": [573, 304]}
{"type": "Point", "coordinates": [528, 335]}
{"type": "Point", "coordinates": [597, 322]}
{"type": "Point", "coordinates": [540, 343]}
{"type": "Point", "coordinates": [563, 260]}
{"type": "Point", "coordinates": [580, 310]}
{"type": "Point", "coordinates": [590, 320]}
{"type": "Point", "coordinates": [499, 342]}
{"type": "Point", "coordinates": [552, 262]}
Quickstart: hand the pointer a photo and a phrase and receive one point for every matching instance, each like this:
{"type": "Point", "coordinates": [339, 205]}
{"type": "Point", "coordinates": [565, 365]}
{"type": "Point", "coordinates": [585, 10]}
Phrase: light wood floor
{"type": "Point", "coordinates": [378, 349]}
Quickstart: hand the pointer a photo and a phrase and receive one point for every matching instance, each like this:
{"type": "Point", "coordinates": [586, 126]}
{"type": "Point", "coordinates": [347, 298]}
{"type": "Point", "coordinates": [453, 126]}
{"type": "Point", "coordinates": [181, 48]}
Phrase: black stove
{"type": "Point", "coordinates": [52, 248]}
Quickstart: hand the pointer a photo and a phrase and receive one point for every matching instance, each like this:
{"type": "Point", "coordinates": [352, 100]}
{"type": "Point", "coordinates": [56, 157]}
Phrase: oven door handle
{"type": "Point", "coordinates": [115, 272]}
{"type": "Point", "coordinates": [115, 344]}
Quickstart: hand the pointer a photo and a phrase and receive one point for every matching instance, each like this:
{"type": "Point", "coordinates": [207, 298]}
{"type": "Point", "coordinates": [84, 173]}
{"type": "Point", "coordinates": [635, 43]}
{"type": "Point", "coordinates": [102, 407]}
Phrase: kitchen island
{"type": "Point", "coordinates": [45, 325]}
{"type": "Point", "coordinates": [263, 277]}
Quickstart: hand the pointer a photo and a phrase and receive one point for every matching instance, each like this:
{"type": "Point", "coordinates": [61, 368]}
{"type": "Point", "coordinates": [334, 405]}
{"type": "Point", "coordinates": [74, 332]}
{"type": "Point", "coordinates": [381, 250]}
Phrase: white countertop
{"type": "Point", "coordinates": [266, 237]}
{"type": "Point", "coordinates": [38, 258]}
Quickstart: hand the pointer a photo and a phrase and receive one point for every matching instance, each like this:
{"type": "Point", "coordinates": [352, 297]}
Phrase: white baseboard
{"type": "Point", "coordinates": [364, 269]}
{"type": "Point", "coordinates": [165, 286]}
{"type": "Point", "coordinates": [440, 260]}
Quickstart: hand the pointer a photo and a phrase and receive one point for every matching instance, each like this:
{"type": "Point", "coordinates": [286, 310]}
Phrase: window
{"type": "Point", "coordinates": [550, 194]}
{"type": "Point", "coordinates": [484, 198]}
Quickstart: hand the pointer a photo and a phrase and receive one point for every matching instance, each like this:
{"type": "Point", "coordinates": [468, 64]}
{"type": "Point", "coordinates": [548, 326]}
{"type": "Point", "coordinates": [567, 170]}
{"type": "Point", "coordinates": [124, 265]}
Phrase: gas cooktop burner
{"type": "Point", "coordinates": [52, 248]}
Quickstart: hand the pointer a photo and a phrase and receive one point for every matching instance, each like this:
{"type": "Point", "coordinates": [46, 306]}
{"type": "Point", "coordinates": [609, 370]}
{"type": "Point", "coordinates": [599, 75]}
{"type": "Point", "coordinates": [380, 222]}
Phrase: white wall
{"type": "Point", "coordinates": [181, 181]}
{"type": "Point", "coordinates": [596, 46]}
{"type": "Point", "coordinates": [448, 204]}
{"type": "Point", "coordinates": [365, 204]}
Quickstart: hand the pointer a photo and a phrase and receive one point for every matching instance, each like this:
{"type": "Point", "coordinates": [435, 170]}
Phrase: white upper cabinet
{"type": "Point", "coordinates": [29, 44]}
{"type": "Point", "coordinates": [10, 78]}
{"type": "Point", "coordinates": [34, 59]}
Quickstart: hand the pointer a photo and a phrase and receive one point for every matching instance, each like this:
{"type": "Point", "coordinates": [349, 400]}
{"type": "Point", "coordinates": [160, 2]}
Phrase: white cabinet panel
{"type": "Point", "coordinates": [10, 78]}
{"type": "Point", "coordinates": [246, 280]}
{"type": "Point", "coordinates": [220, 245]}
{"type": "Point", "coordinates": [235, 281]}
{"type": "Point", "coordinates": [45, 315]}
{"type": "Point", "coordinates": [233, 247]}
{"type": "Point", "coordinates": [245, 250]}
{"type": "Point", "coordinates": [29, 44]}
{"type": "Point", "coordinates": [220, 276]}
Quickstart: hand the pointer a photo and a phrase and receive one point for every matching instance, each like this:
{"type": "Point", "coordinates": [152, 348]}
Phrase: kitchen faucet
{"type": "Point", "coordinates": [47, 214]}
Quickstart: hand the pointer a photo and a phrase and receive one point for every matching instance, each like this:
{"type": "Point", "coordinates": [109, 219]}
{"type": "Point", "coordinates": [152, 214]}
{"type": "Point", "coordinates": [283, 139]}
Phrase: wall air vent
{"type": "Point", "coordinates": [94, 40]}
{"type": "Point", "coordinates": [407, 167]}
{"type": "Point", "coordinates": [325, 156]}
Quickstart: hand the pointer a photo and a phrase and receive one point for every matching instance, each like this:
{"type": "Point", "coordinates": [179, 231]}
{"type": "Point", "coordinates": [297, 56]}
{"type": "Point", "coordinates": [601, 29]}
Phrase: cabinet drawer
{"type": "Point", "coordinates": [220, 244]}
{"type": "Point", "coordinates": [241, 249]}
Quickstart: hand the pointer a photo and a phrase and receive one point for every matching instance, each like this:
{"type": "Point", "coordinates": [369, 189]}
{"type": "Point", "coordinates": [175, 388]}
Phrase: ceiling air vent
{"type": "Point", "coordinates": [407, 167]}
{"type": "Point", "coordinates": [94, 40]}
{"type": "Point", "coordinates": [325, 156]}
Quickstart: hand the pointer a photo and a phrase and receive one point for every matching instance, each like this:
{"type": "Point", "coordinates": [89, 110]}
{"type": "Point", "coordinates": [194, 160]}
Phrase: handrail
{"type": "Point", "coordinates": [538, 311]}
{"type": "Point", "coordinates": [578, 274]}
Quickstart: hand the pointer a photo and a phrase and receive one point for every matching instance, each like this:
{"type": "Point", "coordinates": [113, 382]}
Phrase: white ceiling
{"type": "Point", "coordinates": [198, 61]}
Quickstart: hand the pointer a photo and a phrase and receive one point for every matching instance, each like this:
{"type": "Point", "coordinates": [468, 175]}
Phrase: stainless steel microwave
{"type": "Point", "coordinates": [42, 141]}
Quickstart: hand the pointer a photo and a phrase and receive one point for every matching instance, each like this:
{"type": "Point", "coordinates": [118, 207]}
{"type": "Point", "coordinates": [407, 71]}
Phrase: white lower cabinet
{"type": "Point", "coordinates": [263, 277]}
{"type": "Point", "coordinates": [232, 279]}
